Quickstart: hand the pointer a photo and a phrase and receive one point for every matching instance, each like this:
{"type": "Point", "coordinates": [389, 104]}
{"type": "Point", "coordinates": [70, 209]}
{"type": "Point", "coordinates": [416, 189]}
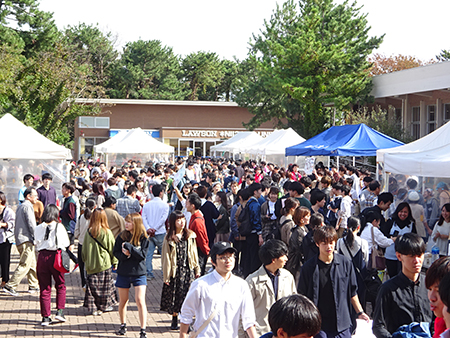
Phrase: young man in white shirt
{"type": "Point", "coordinates": [154, 215]}
{"type": "Point", "coordinates": [219, 300]}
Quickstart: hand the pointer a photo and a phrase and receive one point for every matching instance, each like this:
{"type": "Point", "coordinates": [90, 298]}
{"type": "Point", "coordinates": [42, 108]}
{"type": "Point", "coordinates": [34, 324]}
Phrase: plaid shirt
{"type": "Point", "coordinates": [127, 205]}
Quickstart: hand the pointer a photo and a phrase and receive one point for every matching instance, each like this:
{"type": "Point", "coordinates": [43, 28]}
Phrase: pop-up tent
{"type": "Point", "coordinates": [348, 140]}
{"type": "Point", "coordinates": [28, 152]}
{"type": "Point", "coordinates": [27, 143]}
{"type": "Point", "coordinates": [238, 143]}
{"type": "Point", "coordinates": [428, 156]}
{"type": "Point", "coordinates": [276, 142]}
{"type": "Point", "coordinates": [136, 144]}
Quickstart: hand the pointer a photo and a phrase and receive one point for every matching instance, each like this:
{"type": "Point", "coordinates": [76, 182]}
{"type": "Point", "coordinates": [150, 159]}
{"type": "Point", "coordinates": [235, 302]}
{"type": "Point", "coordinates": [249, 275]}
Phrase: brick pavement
{"type": "Point", "coordinates": [20, 316]}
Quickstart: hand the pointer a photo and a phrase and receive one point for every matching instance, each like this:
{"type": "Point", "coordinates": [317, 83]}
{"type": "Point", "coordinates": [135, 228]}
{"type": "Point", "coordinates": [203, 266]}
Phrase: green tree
{"type": "Point", "coordinates": [92, 47]}
{"type": "Point", "coordinates": [24, 26]}
{"type": "Point", "coordinates": [147, 70]}
{"type": "Point", "coordinates": [444, 55]}
{"type": "Point", "coordinates": [309, 56]}
{"type": "Point", "coordinates": [201, 71]}
{"type": "Point", "coordinates": [45, 91]}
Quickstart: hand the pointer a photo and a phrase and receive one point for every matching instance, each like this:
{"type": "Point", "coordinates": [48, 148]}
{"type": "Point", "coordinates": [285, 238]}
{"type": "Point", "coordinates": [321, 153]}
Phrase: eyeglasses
{"type": "Point", "coordinates": [226, 258]}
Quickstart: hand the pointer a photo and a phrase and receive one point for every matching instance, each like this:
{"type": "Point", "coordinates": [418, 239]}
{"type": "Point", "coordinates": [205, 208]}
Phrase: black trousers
{"type": "Point", "coordinates": [202, 259]}
{"type": "Point", "coordinates": [81, 266]}
{"type": "Point", "coordinates": [5, 260]}
{"type": "Point", "coordinates": [250, 255]}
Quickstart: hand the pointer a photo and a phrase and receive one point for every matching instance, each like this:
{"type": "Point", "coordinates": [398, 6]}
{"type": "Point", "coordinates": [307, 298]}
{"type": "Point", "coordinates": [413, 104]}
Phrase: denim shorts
{"type": "Point", "coordinates": [125, 282]}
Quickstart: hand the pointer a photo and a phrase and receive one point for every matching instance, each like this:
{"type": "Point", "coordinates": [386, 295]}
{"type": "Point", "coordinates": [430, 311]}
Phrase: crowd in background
{"type": "Point", "coordinates": [272, 217]}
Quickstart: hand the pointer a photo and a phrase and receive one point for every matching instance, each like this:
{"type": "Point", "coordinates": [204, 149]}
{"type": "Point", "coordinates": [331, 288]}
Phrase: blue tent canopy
{"type": "Point", "coordinates": [348, 140]}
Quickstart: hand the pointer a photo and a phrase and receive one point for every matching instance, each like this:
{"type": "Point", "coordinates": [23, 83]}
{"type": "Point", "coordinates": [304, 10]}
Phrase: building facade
{"type": "Point", "coordinates": [192, 127]}
{"type": "Point", "coordinates": [418, 98]}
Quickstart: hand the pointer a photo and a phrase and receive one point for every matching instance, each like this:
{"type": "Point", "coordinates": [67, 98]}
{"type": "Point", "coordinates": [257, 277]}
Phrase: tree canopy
{"type": "Point", "coordinates": [310, 55]}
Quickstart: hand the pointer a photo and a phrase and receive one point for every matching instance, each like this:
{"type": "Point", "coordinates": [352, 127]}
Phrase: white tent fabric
{"type": "Point", "coordinates": [428, 156]}
{"type": "Point", "coordinates": [276, 142]}
{"type": "Point", "coordinates": [135, 141]}
{"type": "Point", "coordinates": [27, 143]}
{"type": "Point", "coordinates": [238, 142]}
{"type": "Point", "coordinates": [103, 147]}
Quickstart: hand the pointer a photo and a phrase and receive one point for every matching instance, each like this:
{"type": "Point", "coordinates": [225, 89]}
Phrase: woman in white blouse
{"type": "Point", "coordinates": [49, 237]}
{"type": "Point", "coordinates": [373, 220]}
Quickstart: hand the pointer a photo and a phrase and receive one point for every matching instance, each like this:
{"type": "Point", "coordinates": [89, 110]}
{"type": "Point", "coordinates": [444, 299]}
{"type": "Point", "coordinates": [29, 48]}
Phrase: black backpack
{"type": "Point", "coordinates": [245, 228]}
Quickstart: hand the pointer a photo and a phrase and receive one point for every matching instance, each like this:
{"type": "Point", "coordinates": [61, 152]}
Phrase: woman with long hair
{"type": "Point", "coordinates": [441, 230]}
{"type": "Point", "coordinates": [80, 231]}
{"type": "Point", "coordinates": [179, 260]}
{"type": "Point", "coordinates": [182, 197]}
{"type": "Point", "coordinates": [131, 250]}
{"type": "Point", "coordinates": [50, 236]}
{"type": "Point", "coordinates": [97, 253]}
{"type": "Point", "coordinates": [7, 218]}
{"type": "Point", "coordinates": [98, 192]}
{"type": "Point", "coordinates": [223, 222]}
{"type": "Point", "coordinates": [400, 223]}
{"type": "Point", "coordinates": [296, 259]}
{"type": "Point", "coordinates": [286, 221]}
{"type": "Point", "coordinates": [357, 250]}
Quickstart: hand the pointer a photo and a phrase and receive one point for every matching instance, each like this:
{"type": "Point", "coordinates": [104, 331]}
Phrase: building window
{"type": "Point", "coordinates": [398, 117]}
{"type": "Point", "coordinates": [415, 122]}
{"type": "Point", "coordinates": [431, 118]}
{"type": "Point", "coordinates": [87, 145]}
{"type": "Point", "coordinates": [93, 122]}
{"type": "Point", "coordinates": [446, 116]}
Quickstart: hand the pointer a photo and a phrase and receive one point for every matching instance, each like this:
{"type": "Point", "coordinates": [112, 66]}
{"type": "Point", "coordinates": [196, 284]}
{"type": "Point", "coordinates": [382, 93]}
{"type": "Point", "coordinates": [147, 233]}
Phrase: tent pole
{"type": "Point", "coordinates": [329, 162]}
{"type": "Point", "coordinates": [353, 160]}
{"type": "Point", "coordinates": [337, 161]}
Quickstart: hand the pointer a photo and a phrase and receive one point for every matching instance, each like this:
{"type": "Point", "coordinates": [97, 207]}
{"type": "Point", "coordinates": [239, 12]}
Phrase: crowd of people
{"type": "Point", "coordinates": [283, 245]}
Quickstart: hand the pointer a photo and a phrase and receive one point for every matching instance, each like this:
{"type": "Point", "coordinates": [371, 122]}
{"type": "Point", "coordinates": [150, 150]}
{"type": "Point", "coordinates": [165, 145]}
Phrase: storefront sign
{"type": "Point", "coordinates": [216, 133]}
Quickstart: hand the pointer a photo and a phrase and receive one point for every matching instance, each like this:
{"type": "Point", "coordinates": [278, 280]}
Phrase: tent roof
{"type": "Point", "coordinates": [27, 143]}
{"type": "Point", "coordinates": [348, 140]}
{"type": "Point", "coordinates": [135, 141]}
{"type": "Point", "coordinates": [239, 142]}
{"type": "Point", "coordinates": [276, 142]}
{"type": "Point", "coordinates": [427, 156]}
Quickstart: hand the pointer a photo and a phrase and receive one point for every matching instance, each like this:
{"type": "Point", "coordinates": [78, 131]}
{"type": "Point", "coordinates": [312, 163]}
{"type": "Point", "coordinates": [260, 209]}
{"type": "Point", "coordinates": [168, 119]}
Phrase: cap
{"type": "Point", "coordinates": [220, 247]}
{"type": "Point", "coordinates": [413, 196]}
{"type": "Point", "coordinates": [441, 185]}
{"type": "Point", "coordinates": [193, 182]}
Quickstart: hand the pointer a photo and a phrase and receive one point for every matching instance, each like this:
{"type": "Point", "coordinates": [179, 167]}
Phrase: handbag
{"type": "Point", "coordinates": [377, 257]}
{"type": "Point", "coordinates": [62, 259]}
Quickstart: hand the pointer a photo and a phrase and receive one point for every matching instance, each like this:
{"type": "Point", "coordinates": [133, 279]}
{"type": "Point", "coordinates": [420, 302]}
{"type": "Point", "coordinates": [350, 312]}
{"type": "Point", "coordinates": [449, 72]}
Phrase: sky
{"type": "Point", "coordinates": [412, 27]}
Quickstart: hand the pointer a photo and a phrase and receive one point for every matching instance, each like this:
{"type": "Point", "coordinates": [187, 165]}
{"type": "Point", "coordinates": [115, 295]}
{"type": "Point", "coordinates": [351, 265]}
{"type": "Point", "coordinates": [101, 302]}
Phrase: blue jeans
{"type": "Point", "coordinates": [156, 241]}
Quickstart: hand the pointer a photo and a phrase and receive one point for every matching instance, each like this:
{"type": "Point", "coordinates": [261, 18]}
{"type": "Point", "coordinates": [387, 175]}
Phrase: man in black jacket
{"type": "Point", "coordinates": [329, 281]}
{"type": "Point", "coordinates": [403, 299]}
{"type": "Point", "coordinates": [210, 213]}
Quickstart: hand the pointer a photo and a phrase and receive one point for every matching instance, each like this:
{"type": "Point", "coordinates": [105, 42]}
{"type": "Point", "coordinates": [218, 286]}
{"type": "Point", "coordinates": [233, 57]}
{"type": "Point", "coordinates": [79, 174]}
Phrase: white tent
{"type": "Point", "coordinates": [428, 156]}
{"type": "Point", "coordinates": [27, 143]}
{"type": "Point", "coordinates": [135, 141]}
{"type": "Point", "coordinates": [239, 142]}
{"type": "Point", "coordinates": [276, 142]}
{"type": "Point", "coordinates": [135, 144]}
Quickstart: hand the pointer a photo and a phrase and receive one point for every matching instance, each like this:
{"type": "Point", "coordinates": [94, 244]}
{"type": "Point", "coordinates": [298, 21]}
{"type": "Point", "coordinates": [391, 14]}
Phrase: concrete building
{"type": "Point", "coordinates": [418, 98]}
{"type": "Point", "coordinates": [192, 127]}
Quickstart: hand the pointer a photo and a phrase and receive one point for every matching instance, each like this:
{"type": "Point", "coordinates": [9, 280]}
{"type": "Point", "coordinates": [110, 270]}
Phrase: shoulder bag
{"type": "Point", "coordinates": [194, 334]}
{"type": "Point", "coordinates": [62, 258]}
{"type": "Point", "coordinates": [377, 257]}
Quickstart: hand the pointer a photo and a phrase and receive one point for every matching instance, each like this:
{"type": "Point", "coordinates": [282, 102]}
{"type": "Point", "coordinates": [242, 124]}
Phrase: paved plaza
{"type": "Point", "coordinates": [20, 316]}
